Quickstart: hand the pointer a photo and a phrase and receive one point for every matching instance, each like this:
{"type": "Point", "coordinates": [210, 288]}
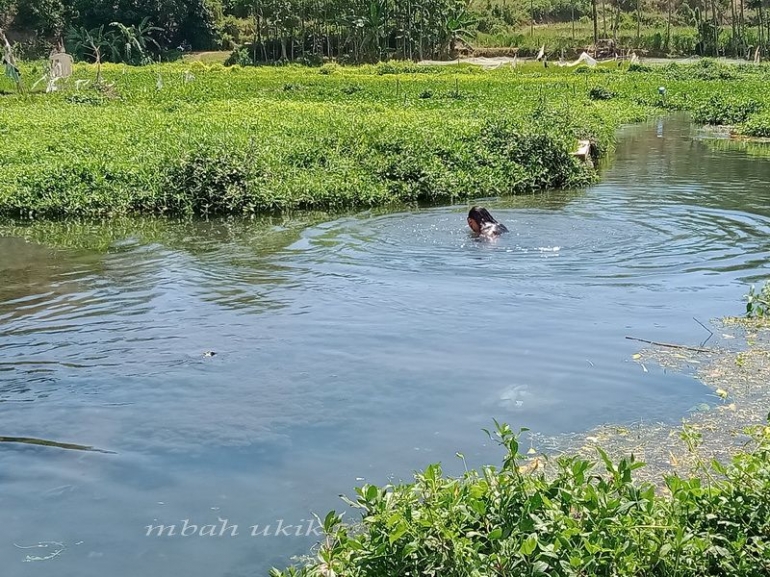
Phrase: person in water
{"type": "Point", "coordinates": [484, 224]}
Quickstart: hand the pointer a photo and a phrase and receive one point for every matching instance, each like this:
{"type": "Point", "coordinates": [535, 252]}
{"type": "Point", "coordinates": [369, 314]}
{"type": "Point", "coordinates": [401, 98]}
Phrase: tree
{"type": "Point", "coordinates": [192, 21]}
{"type": "Point", "coordinates": [374, 27]}
{"type": "Point", "coordinates": [46, 17]}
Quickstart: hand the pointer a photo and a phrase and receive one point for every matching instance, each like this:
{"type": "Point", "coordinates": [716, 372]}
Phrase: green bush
{"type": "Point", "coordinates": [396, 67]}
{"type": "Point", "coordinates": [211, 180]}
{"type": "Point", "coordinates": [722, 110]}
{"type": "Point", "coordinates": [637, 67]}
{"type": "Point", "coordinates": [351, 89]}
{"type": "Point", "coordinates": [580, 520]}
{"type": "Point", "coordinates": [241, 57]}
{"type": "Point", "coordinates": [757, 125]}
{"type": "Point", "coordinates": [758, 302]}
{"type": "Point", "coordinates": [537, 156]}
{"type": "Point", "coordinates": [329, 68]}
{"type": "Point", "coordinates": [601, 93]}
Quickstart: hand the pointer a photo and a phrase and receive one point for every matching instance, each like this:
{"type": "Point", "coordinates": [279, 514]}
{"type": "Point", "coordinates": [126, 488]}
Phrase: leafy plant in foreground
{"type": "Point", "coordinates": [758, 302]}
{"type": "Point", "coordinates": [578, 520]}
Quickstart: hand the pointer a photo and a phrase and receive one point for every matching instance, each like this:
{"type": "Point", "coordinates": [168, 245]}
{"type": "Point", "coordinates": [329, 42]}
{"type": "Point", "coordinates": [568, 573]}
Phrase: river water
{"type": "Point", "coordinates": [348, 350]}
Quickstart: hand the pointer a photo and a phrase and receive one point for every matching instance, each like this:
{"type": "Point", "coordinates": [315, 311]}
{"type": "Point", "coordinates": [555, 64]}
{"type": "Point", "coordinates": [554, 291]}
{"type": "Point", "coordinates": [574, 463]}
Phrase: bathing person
{"type": "Point", "coordinates": [484, 224]}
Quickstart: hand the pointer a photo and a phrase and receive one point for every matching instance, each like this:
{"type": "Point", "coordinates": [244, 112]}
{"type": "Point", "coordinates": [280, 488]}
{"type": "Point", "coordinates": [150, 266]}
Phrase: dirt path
{"type": "Point", "coordinates": [499, 61]}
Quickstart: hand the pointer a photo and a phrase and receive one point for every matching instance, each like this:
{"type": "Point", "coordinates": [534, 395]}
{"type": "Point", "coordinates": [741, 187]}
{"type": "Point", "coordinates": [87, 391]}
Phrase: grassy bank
{"type": "Point", "coordinates": [176, 139]}
{"type": "Point", "coordinates": [197, 139]}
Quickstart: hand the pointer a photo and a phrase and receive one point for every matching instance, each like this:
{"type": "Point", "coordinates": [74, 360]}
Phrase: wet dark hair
{"type": "Point", "coordinates": [481, 216]}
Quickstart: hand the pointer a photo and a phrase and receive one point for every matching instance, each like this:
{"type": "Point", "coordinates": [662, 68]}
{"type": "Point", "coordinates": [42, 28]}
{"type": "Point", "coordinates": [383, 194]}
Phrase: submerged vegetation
{"type": "Point", "coordinates": [204, 140]}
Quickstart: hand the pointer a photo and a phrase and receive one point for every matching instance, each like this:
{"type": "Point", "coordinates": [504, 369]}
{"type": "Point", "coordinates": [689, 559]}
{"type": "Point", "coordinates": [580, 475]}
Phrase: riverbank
{"type": "Point", "coordinates": [193, 139]}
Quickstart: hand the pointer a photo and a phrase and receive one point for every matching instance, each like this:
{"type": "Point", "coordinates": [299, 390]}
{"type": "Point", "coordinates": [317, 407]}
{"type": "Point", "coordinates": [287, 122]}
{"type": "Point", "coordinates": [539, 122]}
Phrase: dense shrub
{"type": "Point", "coordinates": [240, 57]}
{"type": "Point", "coordinates": [757, 125]}
{"type": "Point", "coordinates": [579, 520]}
{"type": "Point", "coordinates": [722, 110]}
{"type": "Point", "coordinates": [211, 180]}
{"type": "Point", "coordinates": [638, 67]}
{"type": "Point", "coordinates": [601, 93]}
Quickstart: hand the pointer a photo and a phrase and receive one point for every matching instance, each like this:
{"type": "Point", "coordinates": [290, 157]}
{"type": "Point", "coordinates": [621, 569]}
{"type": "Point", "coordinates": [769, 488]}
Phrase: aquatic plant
{"type": "Point", "coordinates": [757, 125]}
{"type": "Point", "coordinates": [721, 110]}
{"type": "Point", "coordinates": [207, 140]}
{"type": "Point", "coordinates": [758, 301]}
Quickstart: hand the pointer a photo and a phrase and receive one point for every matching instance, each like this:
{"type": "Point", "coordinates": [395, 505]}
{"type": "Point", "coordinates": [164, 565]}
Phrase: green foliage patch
{"type": "Point", "coordinates": [758, 302]}
{"type": "Point", "coordinates": [205, 140]}
{"type": "Point", "coordinates": [197, 139]}
{"type": "Point", "coordinates": [581, 519]}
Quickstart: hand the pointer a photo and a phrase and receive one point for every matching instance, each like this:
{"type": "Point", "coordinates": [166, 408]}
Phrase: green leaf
{"type": "Point", "coordinates": [529, 545]}
{"type": "Point", "coordinates": [330, 521]}
{"type": "Point", "coordinates": [398, 532]}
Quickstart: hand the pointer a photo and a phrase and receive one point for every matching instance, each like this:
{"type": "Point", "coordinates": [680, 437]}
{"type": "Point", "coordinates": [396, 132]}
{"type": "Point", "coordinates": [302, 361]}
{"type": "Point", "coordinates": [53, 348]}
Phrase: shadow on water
{"type": "Point", "coordinates": [349, 348]}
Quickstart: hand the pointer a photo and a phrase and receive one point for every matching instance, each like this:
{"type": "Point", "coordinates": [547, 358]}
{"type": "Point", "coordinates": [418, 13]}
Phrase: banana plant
{"type": "Point", "coordinates": [95, 44]}
{"type": "Point", "coordinates": [459, 26]}
{"type": "Point", "coordinates": [375, 29]}
{"type": "Point", "coordinates": [136, 40]}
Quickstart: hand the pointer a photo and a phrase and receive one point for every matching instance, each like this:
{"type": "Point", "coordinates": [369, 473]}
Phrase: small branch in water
{"type": "Point", "coordinates": [46, 443]}
{"type": "Point", "coordinates": [671, 346]}
{"type": "Point", "coordinates": [711, 333]}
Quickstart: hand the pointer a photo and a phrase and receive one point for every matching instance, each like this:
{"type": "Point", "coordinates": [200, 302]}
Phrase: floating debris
{"type": "Point", "coordinates": [42, 545]}
{"type": "Point", "coordinates": [740, 376]}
